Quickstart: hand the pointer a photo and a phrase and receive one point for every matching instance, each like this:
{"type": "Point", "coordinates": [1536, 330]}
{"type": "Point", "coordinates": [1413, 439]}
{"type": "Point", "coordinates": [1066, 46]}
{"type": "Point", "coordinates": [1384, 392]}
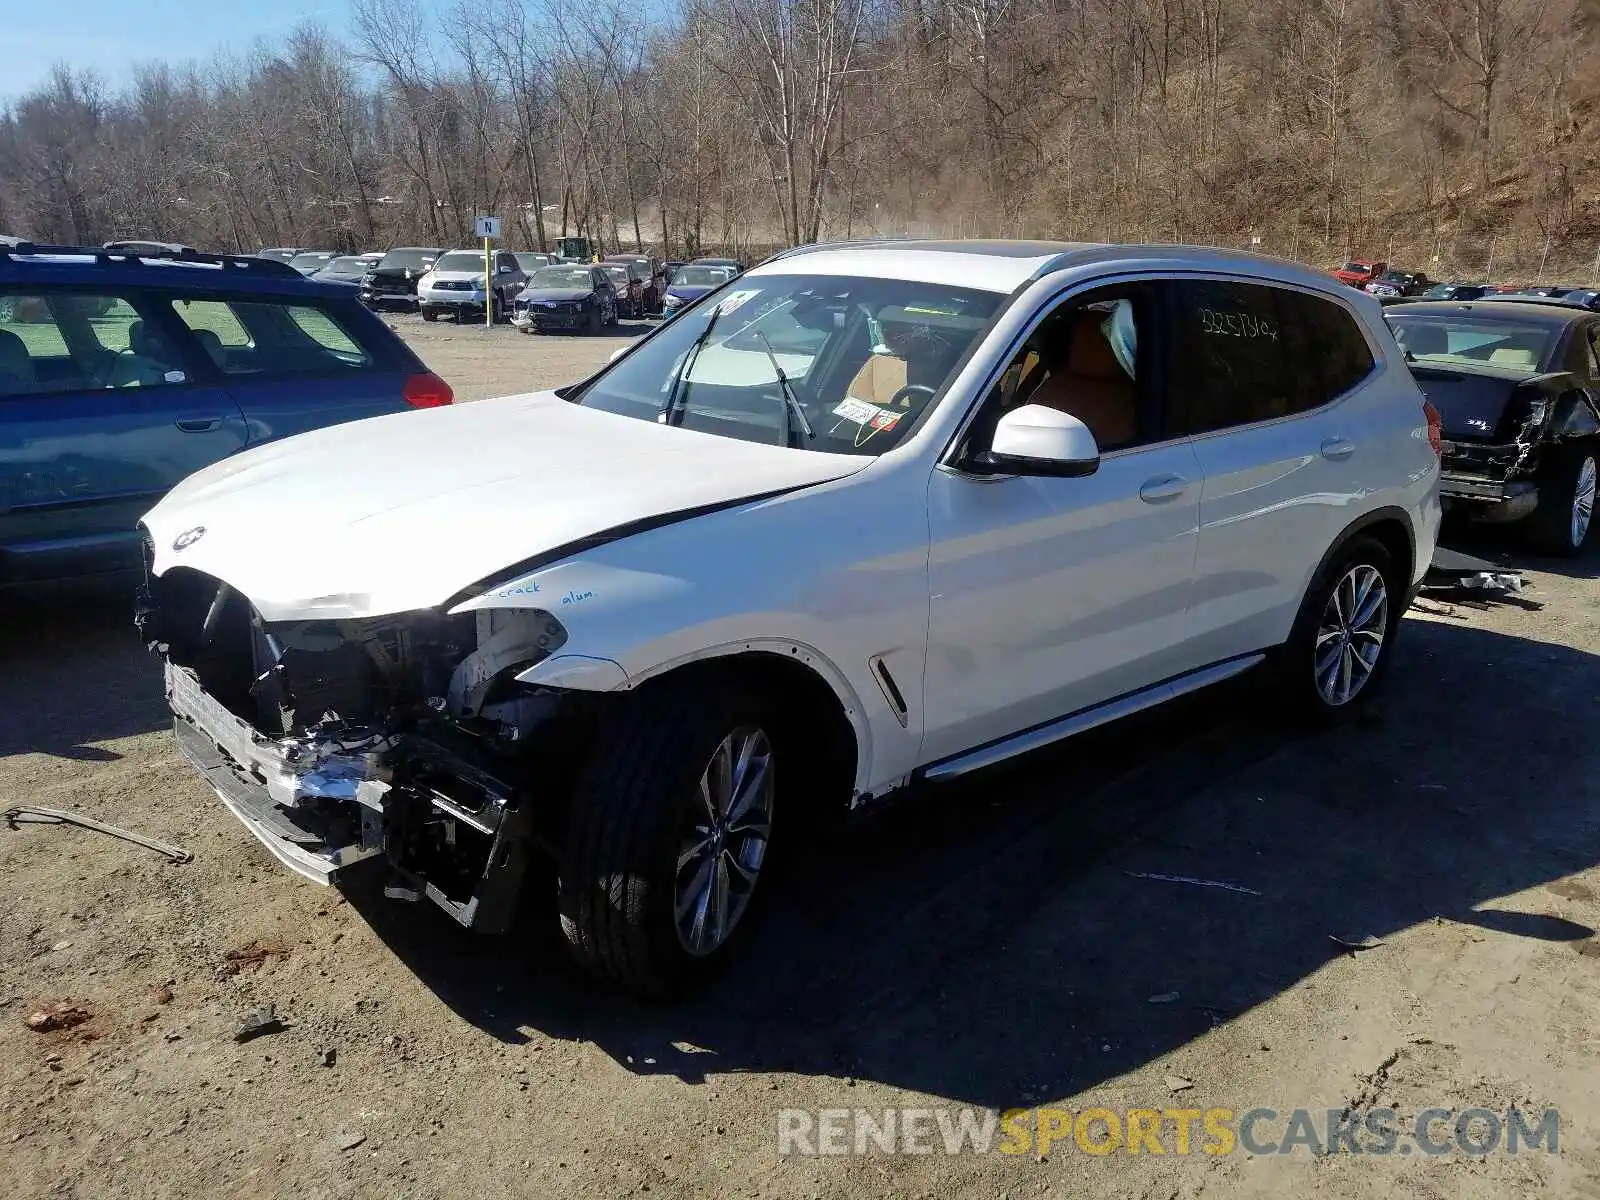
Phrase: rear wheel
{"type": "Point", "coordinates": [1338, 652]}
{"type": "Point", "coordinates": [429, 314]}
{"type": "Point", "coordinates": [662, 863]}
{"type": "Point", "coordinates": [1562, 522]}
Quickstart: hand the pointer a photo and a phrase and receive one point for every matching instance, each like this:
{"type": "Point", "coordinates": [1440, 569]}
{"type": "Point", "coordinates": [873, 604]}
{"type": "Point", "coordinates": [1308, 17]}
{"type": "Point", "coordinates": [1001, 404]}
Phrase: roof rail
{"type": "Point", "coordinates": [243, 262]}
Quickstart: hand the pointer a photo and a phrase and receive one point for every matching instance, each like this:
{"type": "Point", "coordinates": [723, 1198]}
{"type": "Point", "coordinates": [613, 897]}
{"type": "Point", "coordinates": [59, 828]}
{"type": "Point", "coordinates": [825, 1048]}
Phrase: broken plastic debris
{"type": "Point", "coordinates": [1355, 942]}
{"type": "Point", "coordinates": [1178, 1083]}
{"type": "Point", "coordinates": [1210, 883]}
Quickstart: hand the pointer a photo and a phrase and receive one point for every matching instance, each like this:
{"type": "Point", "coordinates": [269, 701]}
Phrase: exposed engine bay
{"type": "Point", "coordinates": [404, 737]}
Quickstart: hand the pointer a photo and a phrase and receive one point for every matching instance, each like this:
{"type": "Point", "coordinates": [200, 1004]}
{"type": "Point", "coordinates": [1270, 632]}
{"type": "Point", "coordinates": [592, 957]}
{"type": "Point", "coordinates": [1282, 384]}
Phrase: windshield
{"type": "Point", "coordinates": [410, 260]}
{"type": "Point", "coordinates": [617, 272]}
{"type": "Point", "coordinates": [1356, 268]}
{"type": "Point", "coordinates": [1440, 291]}
{"type": "Point", "coordinates": [306, 262]}
{"type": "Point", "coordinates": [531, 261]}
{"type": "Point", "coordinates": [346, 267]}
{"type": "Point", "coordinates": [699, 276]}
{"type": "Point", "coordinates": [862, 357]}
{"type": "Point", "coordinates": [562, 277]}
{"type": "Point", "coordinates": [461, 260]}
{"type": "Point", "coordinates": [1471, 341]}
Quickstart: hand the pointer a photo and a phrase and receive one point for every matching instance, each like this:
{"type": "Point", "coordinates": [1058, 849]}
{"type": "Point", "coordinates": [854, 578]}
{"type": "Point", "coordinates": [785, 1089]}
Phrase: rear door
{"type": "Point", "coordinates": [104, 405]}
{"type": "Point", "coordinates": [298, 363]}
{"type": "Point", "coordinates": [1269, 382]}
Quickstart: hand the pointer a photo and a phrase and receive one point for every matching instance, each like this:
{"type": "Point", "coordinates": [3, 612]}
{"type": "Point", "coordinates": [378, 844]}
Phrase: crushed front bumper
{"type": "Point", "coordinates": [320, 808]}
{"type": "Point", "coordinates": [261, 785]}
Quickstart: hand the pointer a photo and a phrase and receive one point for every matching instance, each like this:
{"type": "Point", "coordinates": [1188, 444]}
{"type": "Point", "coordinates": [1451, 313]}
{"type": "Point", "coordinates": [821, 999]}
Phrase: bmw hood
{"type": "Point", "coordinates": [689, 292]}
{"type": "Point", "coordinates": [402, 512]}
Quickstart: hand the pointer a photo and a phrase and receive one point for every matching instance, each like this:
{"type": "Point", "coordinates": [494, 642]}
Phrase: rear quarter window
{"type": "Point", "coordinates": [275, 337]}
{"type": "Point", "coordinates": [1248, 352]}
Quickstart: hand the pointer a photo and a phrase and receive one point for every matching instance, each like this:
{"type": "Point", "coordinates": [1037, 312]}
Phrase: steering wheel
{"type": "Point", "coordinates": [908, 391]}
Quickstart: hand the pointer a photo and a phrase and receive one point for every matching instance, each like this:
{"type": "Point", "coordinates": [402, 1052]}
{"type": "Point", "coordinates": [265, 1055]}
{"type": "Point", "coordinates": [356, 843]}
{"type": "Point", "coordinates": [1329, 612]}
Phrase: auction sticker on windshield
{"type": "Point", "coordinates": [734, 299]}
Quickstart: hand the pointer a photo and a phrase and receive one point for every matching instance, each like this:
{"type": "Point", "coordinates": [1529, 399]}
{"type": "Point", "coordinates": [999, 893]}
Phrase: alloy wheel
{"type": "Point", "coordinates": [1583, 501]}
{"type": "Point", "coordinates": [724, 841]}
{"type": "Point", "coordinates": [1351, 634]}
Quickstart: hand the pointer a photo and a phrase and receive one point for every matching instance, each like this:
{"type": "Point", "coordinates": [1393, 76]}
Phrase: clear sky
{"type": "Point", "coordinates": [112, 36]}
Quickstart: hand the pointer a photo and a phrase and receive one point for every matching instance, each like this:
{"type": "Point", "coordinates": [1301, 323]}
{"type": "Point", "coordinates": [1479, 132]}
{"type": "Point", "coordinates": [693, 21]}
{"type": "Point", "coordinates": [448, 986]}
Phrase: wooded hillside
{"type": "Point", "coordinates": [1441, 134]}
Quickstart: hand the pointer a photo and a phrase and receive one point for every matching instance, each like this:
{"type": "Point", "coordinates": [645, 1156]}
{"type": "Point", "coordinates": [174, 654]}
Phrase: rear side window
{"type": "Point", "coordinates": [262, 337]}
{"type": "Point", "coordinates": [60, 341]}
{"type": "Point", "coordinates": [1250, 352]}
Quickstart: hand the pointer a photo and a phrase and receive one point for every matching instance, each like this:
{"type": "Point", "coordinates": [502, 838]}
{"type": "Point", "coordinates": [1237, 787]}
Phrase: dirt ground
{"type": "Point", "coordinates": [1000, 945]}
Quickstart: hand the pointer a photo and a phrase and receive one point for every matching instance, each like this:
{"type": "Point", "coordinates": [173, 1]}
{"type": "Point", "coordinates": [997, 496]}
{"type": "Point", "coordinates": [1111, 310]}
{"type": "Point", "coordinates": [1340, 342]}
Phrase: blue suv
{"type": "Point", "coordinates": [123, 371]}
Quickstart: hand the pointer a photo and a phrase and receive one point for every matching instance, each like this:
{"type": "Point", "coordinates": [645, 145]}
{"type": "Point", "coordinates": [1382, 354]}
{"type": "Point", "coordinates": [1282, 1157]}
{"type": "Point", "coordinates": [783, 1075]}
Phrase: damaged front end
{"type": "Point", "coordinates": [403, 737]}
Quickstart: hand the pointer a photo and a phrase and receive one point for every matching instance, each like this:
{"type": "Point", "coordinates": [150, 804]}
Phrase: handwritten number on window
{"type": "Point", "coordinates": [1236, 324]}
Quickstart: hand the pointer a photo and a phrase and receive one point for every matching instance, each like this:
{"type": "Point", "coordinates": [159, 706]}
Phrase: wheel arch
{"type": "Point", "coordinates": [807, 688]}
{"type": "Point", "coordinates": [1390, 526]}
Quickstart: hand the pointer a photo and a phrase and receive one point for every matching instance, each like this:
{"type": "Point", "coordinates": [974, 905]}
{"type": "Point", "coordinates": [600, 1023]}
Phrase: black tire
{"type": "Point", "coordinates": [1549, 527]}
{"type": "Point", "coordinates": [497, 310]}
{"type": "Point", "coordinates": [429, 315]}
{"type": "Point", "coordinates": [1294, 669]}
{"type": "Point", "coordinates": [613, 320]}
{"type": "Point", "coordinates": [619, 857]}
{"type": "Point", "coordinates": [594, 324]}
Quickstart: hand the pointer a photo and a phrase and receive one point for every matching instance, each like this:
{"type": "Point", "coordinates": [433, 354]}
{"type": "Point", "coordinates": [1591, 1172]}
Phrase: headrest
{"type": "Point", "coordinates": [1088, 352]}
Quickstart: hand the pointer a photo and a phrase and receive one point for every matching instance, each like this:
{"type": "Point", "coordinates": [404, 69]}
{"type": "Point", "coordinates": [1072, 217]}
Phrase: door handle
{"type": "Point", "coordinates": [198, 424]}
{"type": "Point", "coordinates": [1337, 448]}
{"type": "Point", "coordinates": [1163, 488]}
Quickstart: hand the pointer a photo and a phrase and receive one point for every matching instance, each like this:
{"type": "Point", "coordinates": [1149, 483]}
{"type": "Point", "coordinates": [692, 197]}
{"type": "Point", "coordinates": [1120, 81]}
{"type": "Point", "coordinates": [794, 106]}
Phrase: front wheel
{"type": "Point", "coordinates": [1561, 523]}
{"type": "Point", "coordinates": [429, 314]}
{"type": "Point", "coordinates": [670, 828]}
{"type": "Point", "coordinates": [1343, 637]}
{"type": "Point", "coordinates": [594, 321]}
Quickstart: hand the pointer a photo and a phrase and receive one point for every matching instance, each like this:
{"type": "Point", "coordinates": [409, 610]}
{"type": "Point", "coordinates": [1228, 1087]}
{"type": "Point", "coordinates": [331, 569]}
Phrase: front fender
{"type": "Point", "coordinates": [627, 625]}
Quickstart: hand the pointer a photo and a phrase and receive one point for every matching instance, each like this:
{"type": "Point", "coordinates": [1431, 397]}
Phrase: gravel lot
{"type": "Point", "coordinates": [986, 946]}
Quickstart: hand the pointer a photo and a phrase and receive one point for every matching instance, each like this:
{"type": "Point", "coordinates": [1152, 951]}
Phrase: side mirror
{"type": "Point", "coordinates": [1037, 440]}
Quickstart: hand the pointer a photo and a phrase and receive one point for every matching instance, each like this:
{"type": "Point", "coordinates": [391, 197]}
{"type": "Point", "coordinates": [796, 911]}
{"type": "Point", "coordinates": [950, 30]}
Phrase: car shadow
{"type": "Point", "coordinates": [1000, 942]}
{"type": "Point", "coordinates": [53, 642]}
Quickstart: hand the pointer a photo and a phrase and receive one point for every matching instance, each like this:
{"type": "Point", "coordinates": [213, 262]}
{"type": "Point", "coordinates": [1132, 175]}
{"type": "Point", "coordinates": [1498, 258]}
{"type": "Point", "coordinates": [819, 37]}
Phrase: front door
{"type": "Point", "coordinates": [1051, 595]}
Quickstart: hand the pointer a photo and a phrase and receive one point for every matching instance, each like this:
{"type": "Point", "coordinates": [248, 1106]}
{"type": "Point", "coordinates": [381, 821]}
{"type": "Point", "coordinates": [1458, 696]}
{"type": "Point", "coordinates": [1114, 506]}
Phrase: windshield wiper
{"type": "Point", "coordinates": [791, 403]}
{"type": "Point", "coordinates": [679, 389]}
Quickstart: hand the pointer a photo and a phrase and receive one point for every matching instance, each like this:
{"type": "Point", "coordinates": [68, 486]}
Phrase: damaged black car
{"type": "Point", "coordinates": [1517, 387]}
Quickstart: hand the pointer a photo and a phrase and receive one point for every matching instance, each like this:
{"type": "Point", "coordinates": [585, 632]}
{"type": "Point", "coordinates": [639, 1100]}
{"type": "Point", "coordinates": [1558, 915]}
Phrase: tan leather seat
{"type": "Point", "coordinates": [1091, 385]}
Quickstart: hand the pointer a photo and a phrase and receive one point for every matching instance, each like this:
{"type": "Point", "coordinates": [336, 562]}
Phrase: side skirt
{"type": "Point", "coordinates": [1089, 718]}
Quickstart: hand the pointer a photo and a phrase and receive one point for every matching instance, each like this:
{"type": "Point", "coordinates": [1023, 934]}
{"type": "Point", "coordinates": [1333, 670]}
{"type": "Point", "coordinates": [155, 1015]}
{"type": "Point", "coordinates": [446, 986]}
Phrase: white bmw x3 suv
{"type": "Point", "coordinates": [868, 516]}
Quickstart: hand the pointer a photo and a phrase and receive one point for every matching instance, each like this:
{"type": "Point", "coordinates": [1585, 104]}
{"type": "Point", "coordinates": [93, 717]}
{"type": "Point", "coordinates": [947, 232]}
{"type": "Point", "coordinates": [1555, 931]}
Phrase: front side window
{"type": "Point", "coordinates": [1091, 358]}
{"type": "Point", "coordinates": [1246, 352]}
{"type": "Point", "coordinates": [76, 341]}
{"type": "Point", "coordinates": [860, 359]}
{"type": "Point", "coordinates": [257, 337]}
